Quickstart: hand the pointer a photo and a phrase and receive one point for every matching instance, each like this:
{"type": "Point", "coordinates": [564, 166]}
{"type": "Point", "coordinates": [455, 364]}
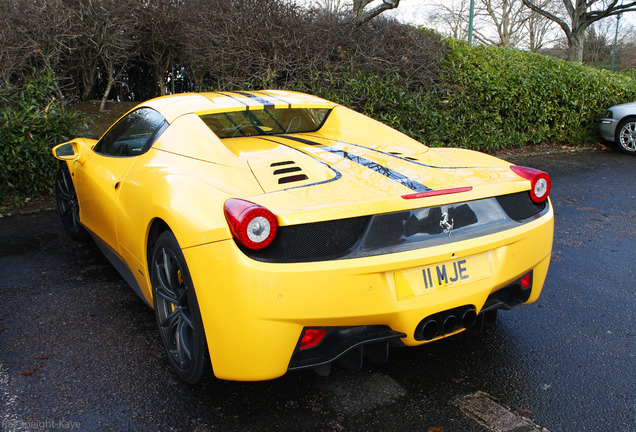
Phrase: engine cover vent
{"type": "Point", "coordinates": [289, 173]}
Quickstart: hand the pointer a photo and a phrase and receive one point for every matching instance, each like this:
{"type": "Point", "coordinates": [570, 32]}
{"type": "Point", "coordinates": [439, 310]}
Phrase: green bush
{"type": "Point", "coordinates": [504, 98]}
{"type": "Point", "coordinates": [32, 121]}
{"type": "Point", "coordinates": [486, 98]}
{"type": "Point", "coordinates": [385, 99]}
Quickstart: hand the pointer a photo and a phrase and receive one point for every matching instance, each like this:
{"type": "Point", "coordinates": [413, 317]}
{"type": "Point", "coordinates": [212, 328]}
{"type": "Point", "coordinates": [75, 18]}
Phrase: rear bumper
{"type": "Point", "coordinates": [254, 312]}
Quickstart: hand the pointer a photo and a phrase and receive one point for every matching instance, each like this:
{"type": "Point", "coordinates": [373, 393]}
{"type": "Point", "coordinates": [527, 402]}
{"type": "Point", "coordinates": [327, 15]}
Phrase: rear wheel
{"type": "Point", "coordinates": [626, 136]}
{"type": "Point", "coordinates": [177, 311]}
{"type": "Point", "coordinates": [68, 205]}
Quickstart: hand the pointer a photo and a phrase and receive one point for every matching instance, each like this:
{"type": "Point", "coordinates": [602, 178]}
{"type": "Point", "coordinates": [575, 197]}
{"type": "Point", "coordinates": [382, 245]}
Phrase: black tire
{"type": "Point", "coordinates": [68, 205]}
{"type": "Point", "coordinates": [626, 136]}
{"type": "Point", "coordinates": [177, 312]}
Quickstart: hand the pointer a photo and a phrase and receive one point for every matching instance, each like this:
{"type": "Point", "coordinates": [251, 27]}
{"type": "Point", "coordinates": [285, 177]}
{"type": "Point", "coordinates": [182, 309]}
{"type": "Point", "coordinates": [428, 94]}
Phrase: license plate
{"type": "Point", "coordinates": [423, 280]}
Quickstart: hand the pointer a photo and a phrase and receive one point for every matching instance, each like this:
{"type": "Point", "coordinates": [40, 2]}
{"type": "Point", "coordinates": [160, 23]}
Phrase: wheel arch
{"type": "Point", "coordinates": [157, 227]}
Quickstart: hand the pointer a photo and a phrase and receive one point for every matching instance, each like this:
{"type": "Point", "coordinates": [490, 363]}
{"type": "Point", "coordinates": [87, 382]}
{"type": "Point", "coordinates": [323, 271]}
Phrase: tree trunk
{"type": "Point", "coordinates": [160, 79]}
{"type": "Point", "coordinates": [575, 46]}
{"type": "Point", "coordinates": [111, 82]}
{"type": "Point", "coordinates": [88, 78]}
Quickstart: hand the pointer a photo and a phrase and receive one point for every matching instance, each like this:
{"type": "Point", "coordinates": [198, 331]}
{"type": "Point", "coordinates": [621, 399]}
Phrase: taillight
{"type": "Point", "coordinates": [311, 337]}
{"type": "Point", "coordinates": [526, 281]}
{"type": "Point", "coordinates": [540, 182]}
{"type": "Point", "coordinates": [252, 225]}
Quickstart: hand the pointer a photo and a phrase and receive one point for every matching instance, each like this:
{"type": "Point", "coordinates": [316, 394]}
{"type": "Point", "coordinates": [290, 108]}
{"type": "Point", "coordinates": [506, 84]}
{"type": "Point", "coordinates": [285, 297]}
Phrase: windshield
{"type": "Point", "coordinates": [268, 121]}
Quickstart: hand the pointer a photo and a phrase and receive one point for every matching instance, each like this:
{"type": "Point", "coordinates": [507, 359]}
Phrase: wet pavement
{"type": "Point", "coordinates": [79, 351]}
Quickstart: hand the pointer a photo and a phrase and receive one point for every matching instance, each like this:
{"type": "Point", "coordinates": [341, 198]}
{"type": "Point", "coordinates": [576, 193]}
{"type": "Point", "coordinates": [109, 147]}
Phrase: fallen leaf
{"type": "Point", "coordinates": [32, 372]}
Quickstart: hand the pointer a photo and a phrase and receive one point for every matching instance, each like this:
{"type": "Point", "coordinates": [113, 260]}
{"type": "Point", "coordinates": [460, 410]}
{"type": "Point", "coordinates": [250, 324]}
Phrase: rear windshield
{"type": "Point", "coordinates": [268, 121]}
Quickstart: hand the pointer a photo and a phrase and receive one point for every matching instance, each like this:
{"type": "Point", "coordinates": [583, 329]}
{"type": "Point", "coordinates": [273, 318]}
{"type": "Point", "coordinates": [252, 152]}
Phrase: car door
{"type": "Point", "coordinates": [99, 178]}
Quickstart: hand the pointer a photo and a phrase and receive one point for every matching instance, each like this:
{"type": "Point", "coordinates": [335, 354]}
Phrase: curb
{"type": "Point", "coordinates": [28, 211]}
{"type": "Point", "coordinates": [553, 151]}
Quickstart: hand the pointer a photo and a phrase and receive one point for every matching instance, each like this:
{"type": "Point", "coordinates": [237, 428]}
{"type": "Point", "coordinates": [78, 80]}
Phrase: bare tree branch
{"type": "Point", "coordinates": [360, 16]}
{"type": "Point", "coordinates": [580, 18]}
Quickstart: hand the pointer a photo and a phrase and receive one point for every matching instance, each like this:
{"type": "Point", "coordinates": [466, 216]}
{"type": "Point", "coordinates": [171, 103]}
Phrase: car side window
{"type": "Point", "coordinates": [132, 135]}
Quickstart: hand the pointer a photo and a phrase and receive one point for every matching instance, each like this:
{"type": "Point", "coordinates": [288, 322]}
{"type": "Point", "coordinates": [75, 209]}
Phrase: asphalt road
{"type": "Point", "coordinates": [79, 351]}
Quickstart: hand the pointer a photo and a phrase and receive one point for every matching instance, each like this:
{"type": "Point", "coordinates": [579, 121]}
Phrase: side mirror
{"type": "Point", "coordinates": [66, 152]}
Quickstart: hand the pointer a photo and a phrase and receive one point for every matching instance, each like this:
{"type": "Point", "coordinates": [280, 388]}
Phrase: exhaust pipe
{"type": "Point", "coordinates": [450, 323]}
{"type": "Point", "coordinates": [429, 329]}
{"type": "Point", "coordinates": [469, 318]}
{"type": "Point", "coordinates": [446, 322]}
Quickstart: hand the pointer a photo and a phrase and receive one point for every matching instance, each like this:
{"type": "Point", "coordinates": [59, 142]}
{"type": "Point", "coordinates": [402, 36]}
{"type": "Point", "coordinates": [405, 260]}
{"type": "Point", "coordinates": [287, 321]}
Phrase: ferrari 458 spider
{"type": "Point", "coordinates": [273, 231]}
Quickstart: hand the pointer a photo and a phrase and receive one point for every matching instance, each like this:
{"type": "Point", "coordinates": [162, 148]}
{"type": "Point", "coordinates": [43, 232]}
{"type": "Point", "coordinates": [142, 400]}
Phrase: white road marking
{"type": "Point", "coordinates": [482, 408]}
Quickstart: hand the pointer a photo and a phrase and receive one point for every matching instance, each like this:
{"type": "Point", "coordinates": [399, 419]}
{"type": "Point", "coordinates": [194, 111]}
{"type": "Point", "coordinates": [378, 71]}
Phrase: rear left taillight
{"type": "Point", "coordinates": [540, 183]}
{"type": "Point", "coordinates": [311, 337]}
{"type": "Point", "coordinates": [252, 225]}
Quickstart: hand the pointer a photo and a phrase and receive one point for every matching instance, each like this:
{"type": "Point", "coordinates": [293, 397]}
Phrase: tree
{"type": "Point", "coordinates": [538, 29]}
{"type": "Point", "coordinates": [360, 14]}
{"type": "Point", "coordinates": [35, 35]}
{"type": "Point", "coordinates": [509, 19]}
{"type": "Point", "coordinates": [336, 7]}
{"type": "Point", "coordinates": [15, 50]}
{"type": "Point", "coordinates": [505, 23]}
{"type": "Point", "coordinates": [626, 55]}
{"type": "Point", "coordinates": [161, 28]}
{"type": "Point", "coordinates": [107, 32]}
{"type": "Point", "coordinates": [452, 18]}
{"type": "Point", "coordinates": [599, 41]}
{"type": "Point", "coordinates": [582, 14]}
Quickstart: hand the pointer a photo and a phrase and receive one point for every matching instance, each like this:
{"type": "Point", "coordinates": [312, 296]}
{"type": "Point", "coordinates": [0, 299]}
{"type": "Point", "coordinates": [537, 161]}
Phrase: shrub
{"type": "Point", "coordinates": [485, 98]}
{"type": "Point", "coordinates": [32, 121]}
{"type": "Point", "coordinates": [276, 44]}
{"type": "Point", "coordinates": [501, 97]}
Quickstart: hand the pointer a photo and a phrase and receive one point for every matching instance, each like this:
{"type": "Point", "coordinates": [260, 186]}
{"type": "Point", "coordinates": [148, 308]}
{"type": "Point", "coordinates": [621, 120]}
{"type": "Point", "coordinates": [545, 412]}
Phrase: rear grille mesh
{"type": "Point", "coordinates": [519, 206]}
{"type": "Point", "coordinates": [318, 241]}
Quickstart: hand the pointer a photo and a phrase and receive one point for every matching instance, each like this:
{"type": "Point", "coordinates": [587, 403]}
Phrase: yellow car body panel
{"type": "Point", "coordinates": [254, 310]}
{"type": "Point", "coordinates": [270, 304]}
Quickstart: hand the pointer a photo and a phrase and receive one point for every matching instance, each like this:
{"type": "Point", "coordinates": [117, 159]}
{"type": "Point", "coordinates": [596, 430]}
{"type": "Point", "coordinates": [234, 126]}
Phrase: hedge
{"type": "Point", "coordinates": [32, 121]}
{"type": "Point", "coordinates": [487, 98]}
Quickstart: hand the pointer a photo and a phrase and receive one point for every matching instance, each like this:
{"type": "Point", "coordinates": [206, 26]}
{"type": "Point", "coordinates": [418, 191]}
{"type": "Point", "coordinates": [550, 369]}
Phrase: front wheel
{"type": "Point", "coordinates": [626, 136]}
{"type": "Point", "coordinates": [177, 311]}
{"type": "Point", "coordinates": [68, 205]}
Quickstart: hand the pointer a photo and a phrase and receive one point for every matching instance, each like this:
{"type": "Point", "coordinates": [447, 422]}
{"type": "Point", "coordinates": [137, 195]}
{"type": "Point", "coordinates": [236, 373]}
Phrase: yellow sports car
{"type": "Point", "coordinates": [273, 231]}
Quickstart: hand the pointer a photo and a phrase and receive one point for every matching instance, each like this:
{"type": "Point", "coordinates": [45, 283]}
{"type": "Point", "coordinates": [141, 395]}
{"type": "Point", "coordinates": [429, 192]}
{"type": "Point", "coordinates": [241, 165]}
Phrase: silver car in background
{"type": "Point", "coordinates": [618, 125]}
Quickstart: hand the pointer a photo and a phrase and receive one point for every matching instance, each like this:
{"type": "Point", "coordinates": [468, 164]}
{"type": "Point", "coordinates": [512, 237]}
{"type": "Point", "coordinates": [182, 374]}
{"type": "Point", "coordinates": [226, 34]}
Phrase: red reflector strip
{"type": "Point", "coordinates": [311, 338]}
{"type": "Point", "coordinates": [438, 192]}
{"type": "Point", "coordinates": [526, 281]}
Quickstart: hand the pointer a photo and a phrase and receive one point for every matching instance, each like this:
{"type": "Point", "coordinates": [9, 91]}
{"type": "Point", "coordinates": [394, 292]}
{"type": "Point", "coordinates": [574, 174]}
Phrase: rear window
{"type": "Point", "coordinates": [268, 121]}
